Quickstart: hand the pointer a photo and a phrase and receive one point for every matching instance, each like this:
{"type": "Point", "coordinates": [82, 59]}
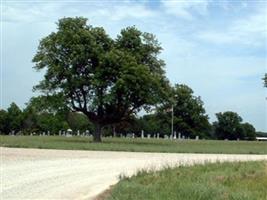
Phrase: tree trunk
{"type": "Point", "coordinates": [97, 133]}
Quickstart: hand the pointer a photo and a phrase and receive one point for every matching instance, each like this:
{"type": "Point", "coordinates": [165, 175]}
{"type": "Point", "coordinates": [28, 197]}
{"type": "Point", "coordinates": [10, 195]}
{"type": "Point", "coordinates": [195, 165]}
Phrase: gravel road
{"type": "Point", "coordinates": [64, 174]}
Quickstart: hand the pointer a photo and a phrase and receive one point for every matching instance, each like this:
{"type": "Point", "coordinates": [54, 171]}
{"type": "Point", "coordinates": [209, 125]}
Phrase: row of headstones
{"type": "Point", "coordinates": [148, 136]}
{"type": "Point", "coordinates": [78, 133]}
{"type": "Point", "coordinates": [62, 133]}
{"type": "Point", "coordinates": [129, 135]}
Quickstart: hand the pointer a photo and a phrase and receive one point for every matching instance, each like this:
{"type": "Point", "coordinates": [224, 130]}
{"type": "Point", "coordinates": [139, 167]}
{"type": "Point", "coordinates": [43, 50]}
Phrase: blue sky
{"type": "Point", "coordinates": [218, 48]}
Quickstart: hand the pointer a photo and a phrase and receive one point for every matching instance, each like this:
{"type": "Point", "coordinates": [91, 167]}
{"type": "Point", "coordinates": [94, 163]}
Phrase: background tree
{"type": "Point", "coordinates": [249, 131]}
{"type": "Point", "coordinates": [228, 126]}
{"type": "Point", "coordinates": [3, 122]}
{"type": "Point", "coordinates": [190, 118]}
{"type": "Point", "coordinates": [46, 113]}
{"type": "Point", "coordinates": [78, 121]}
{"type": "Point", "coordinates": [30, 118]}
{"type": "Point", "coordinates": [14, 117]}
{"type": "Point", "coordinates": [107, 80]}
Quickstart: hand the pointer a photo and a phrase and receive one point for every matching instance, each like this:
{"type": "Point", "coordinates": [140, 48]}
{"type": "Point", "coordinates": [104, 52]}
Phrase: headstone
{"type": "Point", "coordinates": [171, 137]}
{"type": "Point", "coordinates": [154, 135]}
{"type": "Point", "coordinates": [59, 132]}
{"type": "Point", "coordinates": [166, 137]}
{"type": "Point", "coordinates": [43, 133]}
{"type": "Point", "coordinates": [121, 135]}
{"type": "Point", "coordinates": [175, 136]}
{"type": "Point", "coordinates": [148, 136]}
{"type": "Point", "coordinates": [197, 137]}
{"type": "Point", "coordinates": [69, 132]}
{"type": "Point", "coordinates": [179, 135]}
{"type": "Point", "coordinates": [133, 135]}
{"type": "Point", "coordinates": [31, 134]}
{"type": "Point", "coordinates": [183, 137]}
{"type": "Point", "coordinates": [78, 132]}
{"type": "Point", "coordinates": [157, 135]}
{"type": "Point", "coordinates": [48, 133]}
{"type": "Point", "coordinates": [142, 134]}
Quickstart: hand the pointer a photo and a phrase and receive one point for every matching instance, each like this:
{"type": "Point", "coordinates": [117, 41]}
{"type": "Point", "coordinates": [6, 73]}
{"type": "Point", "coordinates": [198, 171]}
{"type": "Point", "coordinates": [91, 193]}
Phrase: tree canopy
{"type": "Point", "coordinates": [106, 79]}
{"type": "Point", "coordinates": [190, 118]}
{"type": "Point", "coordinates": [229, 126]}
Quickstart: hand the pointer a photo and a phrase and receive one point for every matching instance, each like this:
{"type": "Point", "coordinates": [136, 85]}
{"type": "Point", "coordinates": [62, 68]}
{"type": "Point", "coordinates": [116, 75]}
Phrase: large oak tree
{"type": "Point", "coordinates": [106, 79]}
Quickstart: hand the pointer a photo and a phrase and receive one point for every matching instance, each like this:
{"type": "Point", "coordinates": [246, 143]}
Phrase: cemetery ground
{"type": "Point", "coordinates": [136, 144]}
{"type": "Point", "coordinates": [216, 181]}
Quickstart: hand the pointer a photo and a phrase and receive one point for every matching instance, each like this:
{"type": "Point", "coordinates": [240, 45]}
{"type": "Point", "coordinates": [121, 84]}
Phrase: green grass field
{"type": "Point", "coordinates": [136, 145]}
{"type": "Point", "coordinates": [219, 181]}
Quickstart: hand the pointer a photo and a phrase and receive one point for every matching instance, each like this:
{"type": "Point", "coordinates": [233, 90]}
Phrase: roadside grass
{"type": "Point", "coordinates": [217, 181]}
{"type": "Point", "coordinates": [135, 145]}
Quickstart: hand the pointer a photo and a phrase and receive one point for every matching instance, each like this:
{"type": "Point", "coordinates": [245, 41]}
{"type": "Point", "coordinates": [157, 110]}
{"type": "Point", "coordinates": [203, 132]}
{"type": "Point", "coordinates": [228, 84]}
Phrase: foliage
{"type": "Point", "coordinates": [249, 131]}
{"type": "Point", "coordinates": [47, 113]}
{"type": "Point", "coordinates": [106, 79]}
{"type": "Point", "coordinates": [229, 126]}
{"type": "Point", "coordinates": [78, 121]}
{"type": "Point", "coordinates": [3, 121]}
{"type": "Point", "coordinates": [14, 117]}
{"type": "Point", "coordinates": [190, 117]}
{"type": "Point", "coordinates": [261, 134]}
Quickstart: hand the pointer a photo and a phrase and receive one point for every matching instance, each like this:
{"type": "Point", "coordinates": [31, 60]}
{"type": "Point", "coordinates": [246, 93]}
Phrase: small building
{"type": "Point", "coordinates": [261, 138]}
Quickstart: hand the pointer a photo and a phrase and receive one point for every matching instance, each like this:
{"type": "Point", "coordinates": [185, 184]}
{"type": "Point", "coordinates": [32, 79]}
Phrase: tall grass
{"type": "Point", "coordinates": [217, 181]}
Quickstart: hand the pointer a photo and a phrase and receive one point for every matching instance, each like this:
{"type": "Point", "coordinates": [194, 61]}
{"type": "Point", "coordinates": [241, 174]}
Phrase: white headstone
{"type": "Point", "coordinates": [174, 137]}
{"type": "Point", "coordinates": [197, 137]}
{"type": "Point", "coordinates": [148, 136]}
{"type": "Point", "coordinates": [179, 135]}
{"type": "Point", "coordinates": [157, 135]}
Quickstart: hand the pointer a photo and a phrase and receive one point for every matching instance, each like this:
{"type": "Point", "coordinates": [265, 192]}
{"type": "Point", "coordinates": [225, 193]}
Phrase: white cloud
{"type": "Point", "coordinates": [185, 9]}
{"type": "Point", "coordinates": [251, 30]}
{"type": "Point", "coordinates": [13, 12]}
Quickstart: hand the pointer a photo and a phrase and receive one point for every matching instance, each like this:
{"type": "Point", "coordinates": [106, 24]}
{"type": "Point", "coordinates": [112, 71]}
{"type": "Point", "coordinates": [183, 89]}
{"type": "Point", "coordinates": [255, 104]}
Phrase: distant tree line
{"type": "Point", "coordinates": [44, 113]}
